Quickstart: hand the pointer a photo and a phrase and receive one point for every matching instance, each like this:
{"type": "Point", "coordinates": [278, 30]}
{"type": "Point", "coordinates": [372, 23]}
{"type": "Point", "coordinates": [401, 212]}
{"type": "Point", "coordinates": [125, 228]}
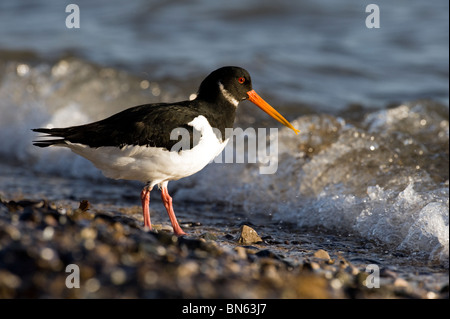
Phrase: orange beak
{"type": "Point", "coordinates": [263, 105]}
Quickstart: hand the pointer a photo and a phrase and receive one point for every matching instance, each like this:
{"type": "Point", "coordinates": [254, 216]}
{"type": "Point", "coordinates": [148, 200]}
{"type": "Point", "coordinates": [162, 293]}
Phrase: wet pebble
{"type": "Point", "coordinates": [190, 224]}
{"type": "Point", "coordinates": [388, 273]}
{"type": "Point", "coordinates": [322, 254]}
{"type": "Point", "coordinates": [400, 282]}
{"type": "Point", "coordinates": [248, 236]}
{"type": "Point", "coordinates": [268, 254]}
{"type": "Point", "coordinates": [208, 236]}
{"type": "Point", "coordinates": [241, 252]}
{"type": "Point", "coordinates": [228, 237]}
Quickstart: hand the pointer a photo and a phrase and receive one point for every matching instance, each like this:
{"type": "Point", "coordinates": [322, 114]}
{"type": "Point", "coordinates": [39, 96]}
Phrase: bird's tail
{"type": "Point", "coordinates": [51, 133]}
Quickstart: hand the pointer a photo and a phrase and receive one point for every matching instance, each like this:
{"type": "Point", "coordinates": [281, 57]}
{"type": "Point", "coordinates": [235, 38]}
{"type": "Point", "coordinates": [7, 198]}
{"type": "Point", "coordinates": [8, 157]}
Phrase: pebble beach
{"type": "Point", "coordinates": [118, 258]}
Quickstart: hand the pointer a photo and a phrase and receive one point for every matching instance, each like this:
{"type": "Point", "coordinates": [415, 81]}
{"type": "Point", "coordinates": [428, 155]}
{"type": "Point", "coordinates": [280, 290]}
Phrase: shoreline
{"type": "Point", "coordinates": [117, 258]}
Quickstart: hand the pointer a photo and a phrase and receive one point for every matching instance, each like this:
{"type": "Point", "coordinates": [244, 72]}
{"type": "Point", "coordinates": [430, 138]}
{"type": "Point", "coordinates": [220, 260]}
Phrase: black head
{"type": "Point", "coordinates": [230, 83]}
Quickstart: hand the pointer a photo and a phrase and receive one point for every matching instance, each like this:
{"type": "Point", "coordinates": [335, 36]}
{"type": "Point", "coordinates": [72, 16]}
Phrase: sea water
{"type": "Point", "coordinates": [372, 106]}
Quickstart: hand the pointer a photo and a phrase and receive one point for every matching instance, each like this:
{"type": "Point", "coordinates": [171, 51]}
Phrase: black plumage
{"type": "Point", "coordinates": [151, 124]}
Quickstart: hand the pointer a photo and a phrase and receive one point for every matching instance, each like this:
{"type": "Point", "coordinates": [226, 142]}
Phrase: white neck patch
{"type": "Point", "coordinates": [227, 95]}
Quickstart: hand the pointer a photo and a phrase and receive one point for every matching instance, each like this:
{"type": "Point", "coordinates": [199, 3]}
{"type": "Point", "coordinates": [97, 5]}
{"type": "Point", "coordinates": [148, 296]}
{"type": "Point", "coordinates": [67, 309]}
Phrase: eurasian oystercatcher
{"type": "Point", "coordinates": [136, 144]}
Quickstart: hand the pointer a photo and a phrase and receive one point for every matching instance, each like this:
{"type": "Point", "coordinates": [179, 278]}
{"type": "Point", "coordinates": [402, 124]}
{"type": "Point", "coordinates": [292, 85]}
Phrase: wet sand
{"type": "Point", "coordinates": [118, 258]}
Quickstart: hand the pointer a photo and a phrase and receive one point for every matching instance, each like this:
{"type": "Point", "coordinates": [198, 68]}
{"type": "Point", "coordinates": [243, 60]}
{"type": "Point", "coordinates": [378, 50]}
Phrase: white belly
{"type": "Point", "coordinates": [154, 164]}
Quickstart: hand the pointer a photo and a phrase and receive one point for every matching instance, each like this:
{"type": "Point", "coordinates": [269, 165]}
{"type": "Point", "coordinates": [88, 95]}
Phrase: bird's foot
{"type": "Point", "coordinates": [179, 232]}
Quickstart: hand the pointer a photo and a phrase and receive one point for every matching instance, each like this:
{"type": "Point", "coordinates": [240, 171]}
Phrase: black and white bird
{"type": "Point", "coordinates": [136, 144]}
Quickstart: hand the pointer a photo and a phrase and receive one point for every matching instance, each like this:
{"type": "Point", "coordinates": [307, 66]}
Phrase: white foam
{"type": "Point", "coordinates": [429, 233]}
{"type": "Point", "coordinates": [381, 179]}
{"type": "Point", "coordinates": [350, 180]}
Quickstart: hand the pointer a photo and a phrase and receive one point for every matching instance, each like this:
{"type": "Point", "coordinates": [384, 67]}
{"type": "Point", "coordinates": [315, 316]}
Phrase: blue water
{"type": "Point", "coordinates": [316, 52]}
{"type": "Point", "coordinates": [372, 105]}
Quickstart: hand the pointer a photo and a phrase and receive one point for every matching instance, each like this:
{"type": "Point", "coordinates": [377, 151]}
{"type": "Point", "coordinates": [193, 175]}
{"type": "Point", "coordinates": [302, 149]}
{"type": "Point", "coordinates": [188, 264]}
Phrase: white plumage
{"type": "Point", "coordinates": [154, 164]}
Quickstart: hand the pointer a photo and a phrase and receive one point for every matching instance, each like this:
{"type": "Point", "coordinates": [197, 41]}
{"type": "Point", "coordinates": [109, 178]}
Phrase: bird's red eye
{"type": "Point", "coordinates": [241, 80]}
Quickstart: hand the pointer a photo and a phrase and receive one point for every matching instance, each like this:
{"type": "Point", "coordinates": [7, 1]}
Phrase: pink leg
{"type": "Point", "coordinates": [145, 199]}
{"type": "Point", "coordinates": [167, 200]}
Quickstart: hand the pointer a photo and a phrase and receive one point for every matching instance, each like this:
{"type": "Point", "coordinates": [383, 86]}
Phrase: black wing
{"type": "Point", "coordinates": [149, 124]}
